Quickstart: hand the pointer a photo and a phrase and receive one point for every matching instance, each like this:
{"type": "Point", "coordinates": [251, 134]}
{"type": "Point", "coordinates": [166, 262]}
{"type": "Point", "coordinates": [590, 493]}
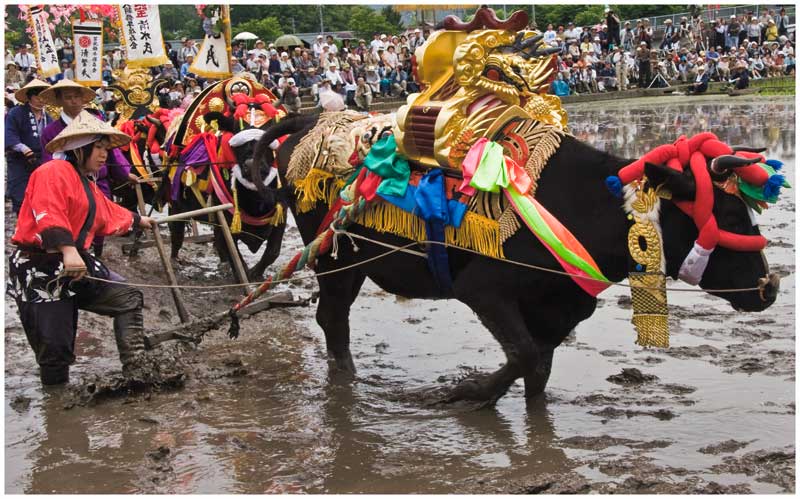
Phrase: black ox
{"type": "Point", "coordinates": [255, 202]}
{"type": "Point", "coordinates": [527, 311]}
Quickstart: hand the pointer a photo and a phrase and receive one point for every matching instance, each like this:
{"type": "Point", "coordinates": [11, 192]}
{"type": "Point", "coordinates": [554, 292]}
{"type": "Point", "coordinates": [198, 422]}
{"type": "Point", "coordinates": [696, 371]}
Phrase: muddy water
{"type": "Point", "coordinates": [714, 413]}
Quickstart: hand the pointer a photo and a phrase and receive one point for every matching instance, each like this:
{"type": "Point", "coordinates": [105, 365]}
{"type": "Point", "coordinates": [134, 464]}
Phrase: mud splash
{"type": "Point", "coordinates": [260, 415]}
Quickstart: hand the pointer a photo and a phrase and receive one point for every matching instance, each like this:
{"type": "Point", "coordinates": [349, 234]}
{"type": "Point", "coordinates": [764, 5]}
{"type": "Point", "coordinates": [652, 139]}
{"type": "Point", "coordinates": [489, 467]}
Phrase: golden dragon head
{"type": "Point", "coordinates": [475, 77]}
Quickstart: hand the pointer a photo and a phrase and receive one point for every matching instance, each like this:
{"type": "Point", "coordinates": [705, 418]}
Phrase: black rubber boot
{"type": "Point", "coordinates": [54, 375]}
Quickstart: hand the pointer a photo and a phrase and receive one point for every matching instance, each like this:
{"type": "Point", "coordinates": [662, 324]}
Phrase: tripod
{"type": "Point", "coordinates": [658, 77]}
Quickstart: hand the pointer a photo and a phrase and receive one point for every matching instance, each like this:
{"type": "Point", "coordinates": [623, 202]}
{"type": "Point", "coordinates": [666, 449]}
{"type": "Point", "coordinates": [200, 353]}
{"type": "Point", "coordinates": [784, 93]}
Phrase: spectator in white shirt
{"type": "Point", "coordinates": [24, 60]}
{"type": "Point", "coordinates": [316, 47]}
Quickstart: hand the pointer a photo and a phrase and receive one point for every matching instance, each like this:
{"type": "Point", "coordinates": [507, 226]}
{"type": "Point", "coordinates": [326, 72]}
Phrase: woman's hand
{"type": "Point", "coordinates": [74, 266]}
{"type": "Point", "coordinates": [146, 223]}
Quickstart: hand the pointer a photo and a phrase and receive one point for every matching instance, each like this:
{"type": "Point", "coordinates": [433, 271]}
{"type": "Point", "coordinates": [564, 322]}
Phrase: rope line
{"type": "Point", "coordinates": [406, 249]}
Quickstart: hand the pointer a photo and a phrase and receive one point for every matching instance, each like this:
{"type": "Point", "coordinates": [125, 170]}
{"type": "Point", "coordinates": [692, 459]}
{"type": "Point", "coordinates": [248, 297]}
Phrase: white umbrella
{"type": "Point", "coordinates": [245, 35]}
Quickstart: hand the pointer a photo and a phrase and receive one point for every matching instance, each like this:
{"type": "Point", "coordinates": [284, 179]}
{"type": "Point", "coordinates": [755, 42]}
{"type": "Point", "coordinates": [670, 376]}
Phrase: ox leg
{"type": "Point", "coordinates": [177, 231]}
{"type": "Point", "coordinates": [526, 357]}
{"type": "Point", "coordinates": [224, 255]}
{"type": "Point", "coordinates": [274, 240]}
{"type": "Point", "coordinates": [336, 294]}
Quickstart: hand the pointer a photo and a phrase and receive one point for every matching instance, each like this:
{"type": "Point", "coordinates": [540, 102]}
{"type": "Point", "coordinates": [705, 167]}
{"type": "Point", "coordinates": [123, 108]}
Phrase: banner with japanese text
{"type": "Point", "coordinates": [43, 46]}
{"type": "Point", "coordinates": [141, 35]}
{"type": "Point", "coordinates": [87, 39]}
{"type": "Point", "coordinates": [213, 58]}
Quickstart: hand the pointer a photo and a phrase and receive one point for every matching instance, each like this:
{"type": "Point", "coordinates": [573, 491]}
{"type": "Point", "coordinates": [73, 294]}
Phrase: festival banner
{"type": "Point", "coordinates": [43, 46]}
{"type": "Point", "coordinates": [141, 35]}
{"type": "Point", "coordinates": [87, 39]}
{"type": "Point", "coordinates": [213, 58]}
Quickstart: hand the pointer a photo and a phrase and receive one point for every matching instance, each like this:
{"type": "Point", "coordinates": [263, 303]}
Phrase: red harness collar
{"type": "Point", "coordinates": [694, 153]}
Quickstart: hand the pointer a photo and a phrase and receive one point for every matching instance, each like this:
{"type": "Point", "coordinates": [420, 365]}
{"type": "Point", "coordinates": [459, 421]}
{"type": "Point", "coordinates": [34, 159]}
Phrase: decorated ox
{"type": "Point", "coordinates": [510, 214]}
{"type": "Point", "coordinates": [207, 154]}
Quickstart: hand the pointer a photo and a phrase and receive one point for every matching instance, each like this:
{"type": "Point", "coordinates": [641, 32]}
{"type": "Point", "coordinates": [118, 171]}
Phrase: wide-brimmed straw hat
{"type": "Point", "coordinates": [50, 95]}
{"type": "Point", "coordinates": [85, 129]}
{"type": "Point", "coordinates": [22, 94]}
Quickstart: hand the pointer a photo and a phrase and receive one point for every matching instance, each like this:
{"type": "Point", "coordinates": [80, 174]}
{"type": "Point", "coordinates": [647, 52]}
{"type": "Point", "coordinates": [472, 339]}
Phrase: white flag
{"type": "Point", "coordinates": [87, 39]}
{"type": "Point", "coordinates": [213, 58]}
{"type": "Point", "coordinates": [46, 56]}
{"type": "Point", "coordinates": [141, 32]}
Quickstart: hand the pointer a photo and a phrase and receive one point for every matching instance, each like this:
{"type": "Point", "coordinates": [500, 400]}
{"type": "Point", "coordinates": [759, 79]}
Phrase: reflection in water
{"type": "Point", "coordinates": [629, 132]}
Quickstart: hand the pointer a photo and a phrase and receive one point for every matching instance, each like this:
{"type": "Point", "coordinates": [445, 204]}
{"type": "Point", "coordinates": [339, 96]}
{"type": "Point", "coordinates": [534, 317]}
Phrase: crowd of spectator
{"type": "Point", "coordinates": [617, 56]}
{"type": "Point", "coordinates": [610, 55]}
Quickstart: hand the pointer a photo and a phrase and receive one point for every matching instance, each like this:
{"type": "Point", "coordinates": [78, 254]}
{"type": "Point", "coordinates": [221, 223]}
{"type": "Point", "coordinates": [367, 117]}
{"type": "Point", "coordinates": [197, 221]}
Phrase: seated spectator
{"type": "Point", "coordinates": [559, 86]}
{"type": "Point", "coordinates": [169, 72]}
{"type": "Point", "coordinates": [314, 81]}
{"type": "Point", "coordinates": [606, 78]}
{"type": "Point", "coordinates": [788, 63]}
{"type": "Point", "coordinates": [373, 80]}
{"type": "Point", "coordinates": [236, 67]}
{"type": "Point", "coordinates": [332, 75]}
{"type": "Point", "coordinates": [290, 96]}
{"type": "Point", "coordinates": [741, 79]}
{"type": "Point", "coordinates": [700, 84]}
{"type": "Point", "coordinates": [283, 81]}
{"type": "Point", "coordinates": [363, 95]}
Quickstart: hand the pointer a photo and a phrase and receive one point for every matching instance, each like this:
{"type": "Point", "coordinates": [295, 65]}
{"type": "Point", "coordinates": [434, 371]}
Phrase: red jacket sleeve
{"type": "Point", "coordinates": [112, 219]}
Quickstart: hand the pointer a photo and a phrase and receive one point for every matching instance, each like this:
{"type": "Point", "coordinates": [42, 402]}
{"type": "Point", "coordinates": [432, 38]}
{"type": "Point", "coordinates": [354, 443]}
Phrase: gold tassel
{"type": "Point", "coordinates": [236, 223]}
{"type": "Point", "coordinates": [317, 186]}
{"type": "Point", "coordinates": [279, 217]}
{"type": "Point", "coordinates": [649, 297]}
{"type": "Point", "coordinates": [477, 232]}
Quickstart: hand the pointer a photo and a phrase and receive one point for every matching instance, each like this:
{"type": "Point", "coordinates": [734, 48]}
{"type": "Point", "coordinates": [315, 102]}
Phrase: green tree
{"type": "Point", "coordinates": [268, 28]}
{"type": "Point", "coordinates": [365, 21]}
{"type": "Point", "coordinates": [393, 18]}
{"type": "Point", "coordinates": [178, 21]}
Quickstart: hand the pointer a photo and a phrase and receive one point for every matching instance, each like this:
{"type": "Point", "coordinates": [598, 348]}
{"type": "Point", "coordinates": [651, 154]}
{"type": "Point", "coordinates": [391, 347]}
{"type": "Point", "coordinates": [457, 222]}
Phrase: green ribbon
{"type": "Point", "coordinates": [384, 161]}
{"type": "Point", "coordinates": [539, 226]}
{"type": "Point", "coordinates": [490, 174]}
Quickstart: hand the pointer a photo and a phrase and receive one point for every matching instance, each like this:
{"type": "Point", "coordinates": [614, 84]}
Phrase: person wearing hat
{"type": "Point", "coordinates": [14, 77]}
{"type": "Point", "coordinates": [169, 72]}
{"type": "Point", "coordinates": [72, 98]}
{"type": "Point", "coordinates": [643, 59]}
{"type": "Point", "coordinates": [740, 78]}
{"type": "Point", "coordinates": [313, 81]}
{"type": "Point", "coordinates": [24, 126]}
{"type": "Point", "coordinates": [290, 95]}
{"type": "Point", "coordinates": [700, 84]}
{"type": "Point", "coordinates": [62, 212]}
{"type": "Point", "coordinates": [772, 31]}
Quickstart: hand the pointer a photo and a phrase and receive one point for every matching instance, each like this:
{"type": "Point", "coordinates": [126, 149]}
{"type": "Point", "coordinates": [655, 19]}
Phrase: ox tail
{"type": "Point", "coordinates": [264, 154]}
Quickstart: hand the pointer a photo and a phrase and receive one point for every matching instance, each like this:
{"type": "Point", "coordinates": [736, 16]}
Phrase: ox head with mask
{"type": "Point", "coordinates": [710, 194]}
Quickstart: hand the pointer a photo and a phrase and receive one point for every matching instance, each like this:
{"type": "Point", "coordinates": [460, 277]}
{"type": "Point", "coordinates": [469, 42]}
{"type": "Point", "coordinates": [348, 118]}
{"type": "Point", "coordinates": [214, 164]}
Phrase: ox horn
{"type": "Point", "coordinates": [758, 150]}
{"type": "Point", "coordinates": [725, 163]}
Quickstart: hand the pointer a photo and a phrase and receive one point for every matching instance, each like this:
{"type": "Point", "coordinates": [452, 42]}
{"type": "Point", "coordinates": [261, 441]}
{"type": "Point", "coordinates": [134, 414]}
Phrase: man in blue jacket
{"type": "Point", "coordinates": [24, 126]}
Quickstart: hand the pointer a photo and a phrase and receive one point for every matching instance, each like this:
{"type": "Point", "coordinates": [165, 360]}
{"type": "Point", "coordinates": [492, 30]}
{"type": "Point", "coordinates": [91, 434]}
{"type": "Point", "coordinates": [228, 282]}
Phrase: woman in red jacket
{"type": "Point", "coordinates": [62, 212]}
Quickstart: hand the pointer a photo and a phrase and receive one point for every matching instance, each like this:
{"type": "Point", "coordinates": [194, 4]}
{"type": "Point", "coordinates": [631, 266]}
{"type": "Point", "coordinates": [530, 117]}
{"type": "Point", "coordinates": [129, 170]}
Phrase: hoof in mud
{"type": "Point", "coordinates": [341, 371]}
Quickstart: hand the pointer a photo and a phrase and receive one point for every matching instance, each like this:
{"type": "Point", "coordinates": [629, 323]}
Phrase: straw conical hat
{"type": "Point", "coordinates": [50, 97]}
{"type": "Point", "coordinates": [22, 93]}
{"type": "Point", "coordinates": [85, 129]}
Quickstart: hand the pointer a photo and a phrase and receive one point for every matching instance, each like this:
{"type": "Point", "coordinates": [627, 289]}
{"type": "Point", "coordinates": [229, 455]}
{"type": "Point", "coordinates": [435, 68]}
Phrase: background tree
{"type": "Point", "coordinates": [268, 28]}
{"type": "Point", "coordinates": [365, 21]}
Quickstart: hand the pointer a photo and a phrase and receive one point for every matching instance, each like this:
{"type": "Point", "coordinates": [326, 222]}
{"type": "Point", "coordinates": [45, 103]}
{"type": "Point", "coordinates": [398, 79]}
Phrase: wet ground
{"type": "Point", "coordinates": [714, 413]}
